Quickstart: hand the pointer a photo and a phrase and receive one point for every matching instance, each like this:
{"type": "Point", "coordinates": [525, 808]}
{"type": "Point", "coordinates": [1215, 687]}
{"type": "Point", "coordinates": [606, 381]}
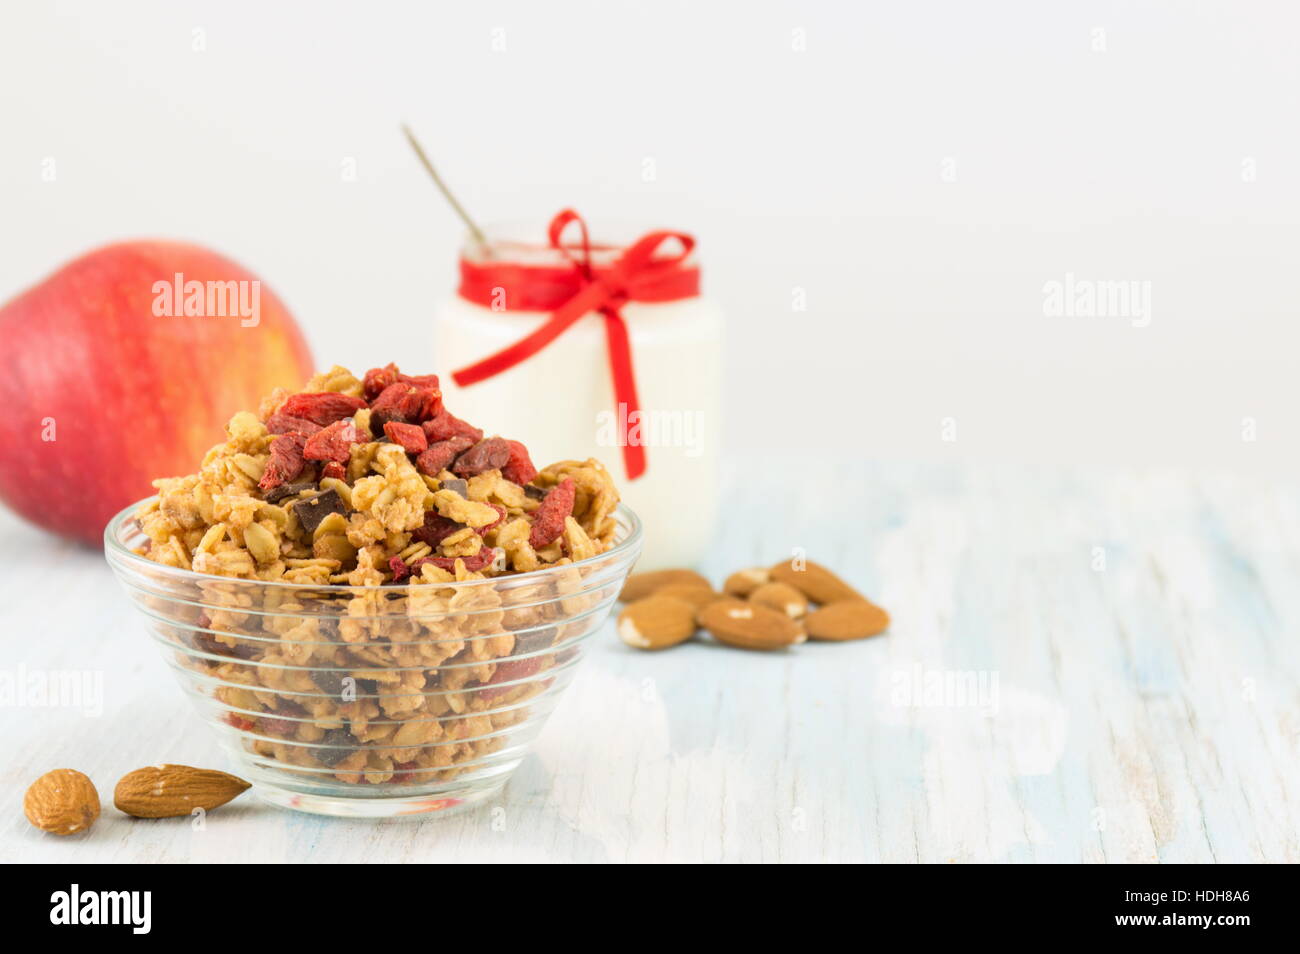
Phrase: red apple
{"type": "Point", "coordinates": [109, 379]}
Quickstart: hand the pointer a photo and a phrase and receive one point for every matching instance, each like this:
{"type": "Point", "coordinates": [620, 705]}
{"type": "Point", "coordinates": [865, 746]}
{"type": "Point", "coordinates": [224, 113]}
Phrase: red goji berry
{"type": "Point", "coordinates": [321, 407]}
{"type": "Point", "coordinates": [548, 518]}
{"type": "Point", "coordinates": [519, 467]}
{"type": "Point", "coordinates": [334, 443]}
{"type": "Point", "coordinates": [511, 670]}
{"type": "Point", "coordinates": [376, 379]}
{"type": "Point", "coordinates": [286, 461]}
{"type": "Point", "coordinates": [437, 457]}
{"type": "Point", "coordinates": [279, 423]}
{"type": "Point", "coordinates": [423, 381]}
{"type": "Point", "coordinates": [497, 522]}
{"type": "Point", "coordinates": [400, 569]}
{"type": "Point", "coordinates": [410, 436]}
{"type": "Point", "coordinates": [286, 728]}
{"type": "Point", "coordinates": [334, 469]}
{"type": "Point", "coordinates": [444, 425]}
{"type": "Point", "coordinates": [473, 563]}
{"type": "Point", "coordinates": [405, 402]}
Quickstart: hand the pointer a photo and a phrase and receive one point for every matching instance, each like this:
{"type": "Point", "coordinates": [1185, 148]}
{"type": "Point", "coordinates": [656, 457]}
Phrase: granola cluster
{"type": "Point", "coordinates": [372, 483]}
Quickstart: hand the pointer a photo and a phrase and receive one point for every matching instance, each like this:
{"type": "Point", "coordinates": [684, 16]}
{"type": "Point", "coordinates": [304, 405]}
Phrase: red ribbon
{"type": "Point", "coordinates": [569, 292]}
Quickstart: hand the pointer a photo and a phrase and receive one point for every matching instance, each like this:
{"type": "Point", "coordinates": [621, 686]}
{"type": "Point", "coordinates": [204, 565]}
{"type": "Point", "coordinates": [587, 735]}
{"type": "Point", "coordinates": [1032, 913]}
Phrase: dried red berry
{"type": "Point", "coordinates": [548, 518]}
{"type": "Point", "coordinates": [405, 402]}
{"type": "Point", "coordinates": [334, 443]}
{"type": "Point", "coordinates": [473, 563]}
{"type": "Point", "coordinates": [495, 523]}
{"type": "Point", "coordinates": [410, 436]}
{"type": "Point", "coordinates": [237, 722]}
{"type": "Point", "coordinates": [279, 423]}
{"type": "Point", "coordinates": [334, 469]}
{"type": "Point", "coordinates": [285, 728]}
{"type": "Point", "coordinates": [436, 528]}
{"type": "Point", "coordinates": [519, 467]}
{"type": "Point", "coordinates": [511, 670]}
{"type": "Point", "coordinates": [286, 461]}
{"type": "Point", "coordinates": [444, 425]}
{"type": "Point", "coordinates": [322, 407]}
{"type": "Point", "coordinates": [440, 455]}
{"type": "Point", "coordinates": [377, 379]}
{"type": "Point", "coordinates": [490, 454]}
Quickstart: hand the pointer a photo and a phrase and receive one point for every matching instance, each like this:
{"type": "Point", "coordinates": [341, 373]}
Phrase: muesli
{"type": "Point", "coordinates": [371, 483]}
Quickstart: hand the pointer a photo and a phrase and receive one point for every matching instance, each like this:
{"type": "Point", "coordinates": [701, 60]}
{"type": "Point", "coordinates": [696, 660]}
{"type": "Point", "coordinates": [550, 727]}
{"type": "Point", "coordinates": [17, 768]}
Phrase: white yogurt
{"type": "Point", "coordinates": [560, 402]}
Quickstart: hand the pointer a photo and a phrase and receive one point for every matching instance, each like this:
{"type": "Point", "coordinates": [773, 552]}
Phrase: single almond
{"type": "Point", "coordinates": [165, 791]}
{"type": "Point", "coordinates": [743, 582]}
{"type": "Point", "coordinates": [781, 597]}
{"type": "Point", "coordinates": [750, 626]}
{"type": "Point", "coordinates": [656, 622]}
{"type": "Point", "coordinates": [641, 585]}
{"type": "Point", "coordinates": [62, 802]}
{"type": "Point", "coordinates": [814, 581]}
{"type": "Point", "coordinates": [698, 595]}
{"type": "Point", "coordinates": [847, 619]}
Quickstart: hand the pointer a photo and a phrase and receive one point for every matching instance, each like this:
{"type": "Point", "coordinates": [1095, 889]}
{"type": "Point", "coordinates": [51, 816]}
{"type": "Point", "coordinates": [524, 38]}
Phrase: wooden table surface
{"type": "Point", "coordinates": [1081, 668]}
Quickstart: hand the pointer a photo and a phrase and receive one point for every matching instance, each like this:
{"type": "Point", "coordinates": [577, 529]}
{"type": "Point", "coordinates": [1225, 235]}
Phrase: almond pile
{"type": "Point", "coordinates": [758, 608]}
{"type": "Point", "coordinates": [65, 802]}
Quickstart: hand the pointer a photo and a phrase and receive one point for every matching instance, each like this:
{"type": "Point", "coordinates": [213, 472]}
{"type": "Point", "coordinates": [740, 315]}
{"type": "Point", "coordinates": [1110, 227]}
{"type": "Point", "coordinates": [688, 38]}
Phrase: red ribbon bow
{"type": "Point", "coordinates": [639, 273]}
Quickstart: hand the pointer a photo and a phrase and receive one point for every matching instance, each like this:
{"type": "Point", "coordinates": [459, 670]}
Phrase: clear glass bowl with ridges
{"type": "Point", "coordinates": [374, 701]}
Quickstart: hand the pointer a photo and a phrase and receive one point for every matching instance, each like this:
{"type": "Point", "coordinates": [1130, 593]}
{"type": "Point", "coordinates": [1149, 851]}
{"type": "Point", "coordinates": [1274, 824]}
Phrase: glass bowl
{"type": "Point", "coordinates": [374, 701]}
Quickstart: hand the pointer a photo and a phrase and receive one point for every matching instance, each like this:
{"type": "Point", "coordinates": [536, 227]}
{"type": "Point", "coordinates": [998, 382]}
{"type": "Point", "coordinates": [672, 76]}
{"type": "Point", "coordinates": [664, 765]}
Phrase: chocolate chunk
{"type": "Point", "coordinates": [276, 494]}
{"type": "Point", "coordinates": [340, 745]}
{"type": "Point", "coordinates": [491, 454]}
{"type": "Point", "coordinates": [536, 493]}
{"type": "Point", "coordinates": [460, 486]}
{"type": "Point", "coordinates": [534, 640]}
{"type": "Point", "coordinates": [330, 681]}
{"type": "Point", "coordinates": [313, 510]}
{"type": "Point", "coordinates": [436, 529]}
{"type": "Point", "coordinates": [438, 455]}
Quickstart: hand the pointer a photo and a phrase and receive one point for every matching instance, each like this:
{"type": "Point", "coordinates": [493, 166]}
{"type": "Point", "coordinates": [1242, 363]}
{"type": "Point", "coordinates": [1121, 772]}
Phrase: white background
{"type": "Point", "coordinates": [1114, 155]}
{"type": "Point", "coordinates": [1122, 154]}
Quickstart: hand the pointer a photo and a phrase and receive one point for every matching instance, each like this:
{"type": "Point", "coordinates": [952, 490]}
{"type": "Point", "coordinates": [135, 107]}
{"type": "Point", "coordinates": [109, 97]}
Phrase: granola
{"type": "Point", "coordinates": [370, 486]}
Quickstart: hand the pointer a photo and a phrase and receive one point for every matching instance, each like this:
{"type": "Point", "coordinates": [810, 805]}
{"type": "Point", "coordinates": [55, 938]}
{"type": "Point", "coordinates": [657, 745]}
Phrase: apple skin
{"type": "Point", "coordinates": [132, 396]}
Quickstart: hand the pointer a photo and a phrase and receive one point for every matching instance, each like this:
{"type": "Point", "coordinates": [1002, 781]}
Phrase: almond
{"type": "Point", "coordinates": [847, 619]}
{"type": "Point", "coordinates": [781, 597]}
{"type": "Point", "coordinates": [656, 622]}
{"type": "Point", "coordinates": [814, 581]}
{"type": "Point", "coordinates": [743, 582]}
{"type": "Point", "coordinates": [165, 791]}
{"type": "Point", "coordinates": [749, 626]}
{"type": "Point", "coordinates": [694, 593]}
{"type": "Point", "coordinates": [641, 585]}
{"type": "Point", "coordinates": [62, 802]}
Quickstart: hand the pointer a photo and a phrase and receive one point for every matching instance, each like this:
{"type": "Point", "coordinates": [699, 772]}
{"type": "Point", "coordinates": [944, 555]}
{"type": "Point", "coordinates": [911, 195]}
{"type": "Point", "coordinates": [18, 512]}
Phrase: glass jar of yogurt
{"type": "Point", "coordinates": [563, 396]}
